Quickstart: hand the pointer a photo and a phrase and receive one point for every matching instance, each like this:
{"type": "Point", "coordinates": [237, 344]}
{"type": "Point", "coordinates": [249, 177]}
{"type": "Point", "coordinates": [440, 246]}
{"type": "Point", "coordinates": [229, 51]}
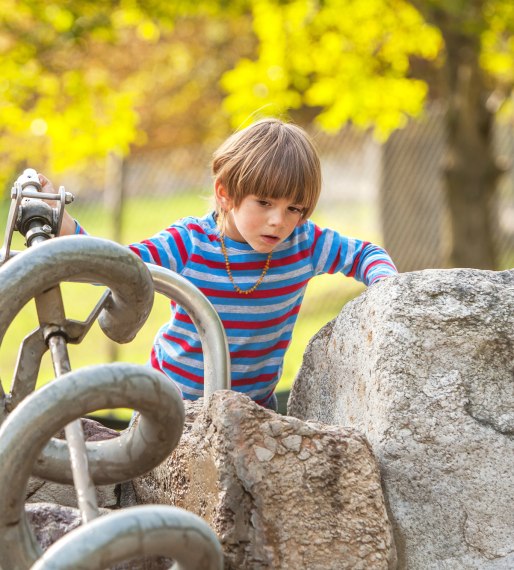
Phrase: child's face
{"type": "Point", "coordinates": [263, 222]}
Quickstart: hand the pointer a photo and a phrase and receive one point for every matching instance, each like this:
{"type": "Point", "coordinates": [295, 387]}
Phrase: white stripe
{"type": "Point", "coordinates": [348, 262]}
{"type": "Point", "coordinates": [165, 245]}
{"type": "Point", "coordinates": [260, 392]}
{"type": "Point", "coordinates": [243, 368]}
{"type": "Point", "coordinates": [241, 279]}
{"type": "Point", "coordinates": [240, 309]}
{"type": "Point", "coordinates": [238, 340]}
{"type": "Point", "coordinates": [322, 260]}
{"type": "Point", "coordinates": [170, 351]}
{"type": "Point", "coordinates": [191, 391]}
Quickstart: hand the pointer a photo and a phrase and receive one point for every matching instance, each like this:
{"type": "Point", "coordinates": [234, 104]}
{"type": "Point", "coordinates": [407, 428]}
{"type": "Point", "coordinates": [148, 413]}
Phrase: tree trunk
{"type": "Point", "coordinates": [471, 172]}
{"type": "Point", "coordinates": [470, 169]}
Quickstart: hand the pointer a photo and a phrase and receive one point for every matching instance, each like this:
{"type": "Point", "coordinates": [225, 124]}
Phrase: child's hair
{"type": "Point", "coordinates": [270, 159]}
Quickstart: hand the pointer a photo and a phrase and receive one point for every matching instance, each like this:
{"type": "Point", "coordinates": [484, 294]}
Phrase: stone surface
{"type": "Point", "coordinates": [50, 522]}
{"type": "Point", "coordinates": [41, 491]}
{"type": "Point", "coordinates": [280, 493]}
{"type": "Point", "coordinates": [423, 365]}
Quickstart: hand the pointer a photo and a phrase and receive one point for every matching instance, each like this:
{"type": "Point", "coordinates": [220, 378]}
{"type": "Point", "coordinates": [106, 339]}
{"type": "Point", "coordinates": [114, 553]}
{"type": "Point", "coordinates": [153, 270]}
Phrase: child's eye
{"type": "Point", "coordinates": [296, 209]}
{"type": "Point", "coordinates": [263, 202]}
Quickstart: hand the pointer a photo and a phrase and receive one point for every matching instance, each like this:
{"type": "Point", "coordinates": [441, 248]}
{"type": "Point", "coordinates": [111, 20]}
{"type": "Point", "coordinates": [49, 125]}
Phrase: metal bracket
{"type": "Point", "coordinates": [28, 187]}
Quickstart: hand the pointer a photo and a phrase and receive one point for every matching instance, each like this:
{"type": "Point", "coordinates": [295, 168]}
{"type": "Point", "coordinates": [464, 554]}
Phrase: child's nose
{"type": "Point", "coordinates": [276, 218]}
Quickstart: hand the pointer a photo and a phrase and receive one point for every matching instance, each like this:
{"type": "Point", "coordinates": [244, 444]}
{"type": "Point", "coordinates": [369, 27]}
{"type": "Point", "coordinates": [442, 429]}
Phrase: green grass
{"type": "Point", "coordinates": [142, 218]}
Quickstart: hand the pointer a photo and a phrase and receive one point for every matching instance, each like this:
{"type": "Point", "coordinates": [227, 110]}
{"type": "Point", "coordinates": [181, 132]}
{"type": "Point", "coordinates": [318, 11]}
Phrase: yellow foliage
{"type": "Point", "coordinates": [351, 58]}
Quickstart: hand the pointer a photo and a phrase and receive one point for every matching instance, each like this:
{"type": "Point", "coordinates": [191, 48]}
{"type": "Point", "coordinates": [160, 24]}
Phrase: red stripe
{"type": "Point", "coordinates": [180, 244]}
{"type": "Point", "coordinates": [154, 362]}
{"type": "Point", "coordinates": [357, 259]}
{"type": "Point", "coordinates": [199, 229]}
{"type": "Point", "coordinates": [256, 380]}
{"type": "Point", "coordinates": [153, 251]}
{"type": "Point", "coordinates": [266, 397]}
{"type": "Point", "coordinates": [257, 294]}
{"type": "Point", "coordinates": [229, 324]}
{"type": "Point", "coordinates": [260, 324]}
{"type": "Point", "coordinates": [261, 352]}
{"type": "Point", "coordinates": [258, 265]}
{"type": "Point", "coordinates": [378, 262]}
{"type": "Point", "coordinates": [290, 258]}
{"type": "Point", "coordinates": [317, 234]}
{"type": "Point", "coordinates": [336, 262]}
{"type": "Point", "coordinates": [183, 343]}
{"type": "Point", "coordinates": [135, 250]}
{"type": "Point", "coordinates": [181, 372]}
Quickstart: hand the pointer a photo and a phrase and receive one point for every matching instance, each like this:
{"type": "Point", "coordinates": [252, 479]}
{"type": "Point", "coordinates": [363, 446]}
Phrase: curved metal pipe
{"type": "Point", "coordinates": [207, 321]}
{"type": "Point", "coordinates": [84, 258]}
{"type": "Point", "coordinates": [137, 450]}
{"type": "Point", "coordinates": [26, 431]}
{"type": "Point", "coordinates": [150, 530]}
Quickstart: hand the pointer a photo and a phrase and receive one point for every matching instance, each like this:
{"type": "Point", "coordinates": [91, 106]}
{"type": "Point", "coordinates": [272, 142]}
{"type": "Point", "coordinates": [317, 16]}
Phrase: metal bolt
{"type": "Point", "coordinates": [47, 229]}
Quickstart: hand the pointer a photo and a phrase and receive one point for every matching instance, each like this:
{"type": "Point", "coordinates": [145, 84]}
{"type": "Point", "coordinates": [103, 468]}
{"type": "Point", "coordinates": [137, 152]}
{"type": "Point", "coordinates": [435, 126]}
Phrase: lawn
{"type": "Point", "coordinates": [142, 218]}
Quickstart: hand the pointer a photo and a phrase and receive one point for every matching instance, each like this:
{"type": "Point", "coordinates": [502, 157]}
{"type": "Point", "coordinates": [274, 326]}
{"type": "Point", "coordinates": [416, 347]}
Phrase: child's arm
{"type": "Point", "coordinates": [364, 261]}
{"type": "Point", "coordinates": [168, 248]}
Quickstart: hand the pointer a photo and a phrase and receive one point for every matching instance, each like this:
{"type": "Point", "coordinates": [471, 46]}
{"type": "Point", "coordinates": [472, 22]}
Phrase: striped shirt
{"type": "Point", "coordinates": [259, 325]}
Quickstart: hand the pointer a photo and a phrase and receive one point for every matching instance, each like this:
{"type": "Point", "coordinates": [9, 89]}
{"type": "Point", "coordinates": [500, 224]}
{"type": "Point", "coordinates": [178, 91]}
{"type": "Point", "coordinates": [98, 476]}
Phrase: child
{"type": "Point", "coordinates": [253, 258]}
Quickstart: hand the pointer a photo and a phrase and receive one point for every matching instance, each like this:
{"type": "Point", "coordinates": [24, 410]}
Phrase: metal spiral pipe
{"type": "Point", "coordinates": [216, 356]}
{"type": "Point", "coordinates": [33, 423]}
{"type": "Point", "coordinates": [26, 446]}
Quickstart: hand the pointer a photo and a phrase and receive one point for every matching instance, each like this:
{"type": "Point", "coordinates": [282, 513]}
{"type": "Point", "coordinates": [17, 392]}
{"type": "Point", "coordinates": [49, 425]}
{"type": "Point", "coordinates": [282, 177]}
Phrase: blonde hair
{"type": "Point", "coordinates": [270, 159]}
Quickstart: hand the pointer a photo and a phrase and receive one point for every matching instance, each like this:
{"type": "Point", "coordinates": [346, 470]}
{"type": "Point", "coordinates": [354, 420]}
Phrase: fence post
{"type": "Point", "coordinates": [114, 205]}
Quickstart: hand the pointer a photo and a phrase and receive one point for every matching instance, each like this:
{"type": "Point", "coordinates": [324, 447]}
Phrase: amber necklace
{"type": "Point", "coordinates": [229, 271]}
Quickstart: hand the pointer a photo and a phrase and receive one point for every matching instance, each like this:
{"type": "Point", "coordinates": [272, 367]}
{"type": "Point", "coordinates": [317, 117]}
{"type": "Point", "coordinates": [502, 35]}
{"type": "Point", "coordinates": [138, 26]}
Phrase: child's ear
{"type": "Point", "coordinates": [222, 197]}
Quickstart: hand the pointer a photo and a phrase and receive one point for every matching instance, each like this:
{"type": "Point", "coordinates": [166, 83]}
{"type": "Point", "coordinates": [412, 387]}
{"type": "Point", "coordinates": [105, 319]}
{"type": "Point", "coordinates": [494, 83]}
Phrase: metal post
{"type": "Point", "coordinates": [86, 492]}
{"type": "Point", "coordinates": [207, 321]}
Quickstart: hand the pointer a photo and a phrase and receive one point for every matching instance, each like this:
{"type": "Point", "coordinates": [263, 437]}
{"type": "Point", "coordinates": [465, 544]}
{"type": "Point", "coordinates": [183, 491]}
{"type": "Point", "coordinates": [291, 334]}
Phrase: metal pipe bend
{"type": "Point", "coordinates": [150, 530]}
{"type": "Point", "coordinates": [216, 355]}
{"type": "Point", "coordinates": [81, 258]}
{"type": "Point", "coordinates": [26, 431]}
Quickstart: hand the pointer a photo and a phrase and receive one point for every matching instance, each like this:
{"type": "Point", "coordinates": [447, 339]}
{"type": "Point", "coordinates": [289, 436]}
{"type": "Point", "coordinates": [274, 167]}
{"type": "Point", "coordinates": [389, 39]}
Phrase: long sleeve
{"type": "Point", "coordinates": [169, 248]}
{"type": "Point", "coordinates": [355, 258]}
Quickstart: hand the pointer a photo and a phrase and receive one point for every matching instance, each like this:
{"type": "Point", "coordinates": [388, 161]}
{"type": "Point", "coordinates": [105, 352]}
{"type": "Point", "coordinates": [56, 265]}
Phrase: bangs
{"type": "Point", "coordinates": [279, 178]}
{"type": "Point", "coordinates": [270, 159]}
{"type": "Point", "coordinates": [288, 169]}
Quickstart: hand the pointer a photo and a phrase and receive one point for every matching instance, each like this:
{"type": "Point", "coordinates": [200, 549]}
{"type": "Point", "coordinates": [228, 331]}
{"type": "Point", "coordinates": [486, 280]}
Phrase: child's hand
{"type": "Point", "coordinates": [48, 188]}
{"type": "Point", "coordinates": [68, 223]}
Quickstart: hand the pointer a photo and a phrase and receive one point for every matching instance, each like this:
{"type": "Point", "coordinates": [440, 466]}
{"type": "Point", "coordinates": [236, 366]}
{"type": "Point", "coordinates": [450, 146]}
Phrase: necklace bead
{"type": "Point", "coordinates": [229, 271]}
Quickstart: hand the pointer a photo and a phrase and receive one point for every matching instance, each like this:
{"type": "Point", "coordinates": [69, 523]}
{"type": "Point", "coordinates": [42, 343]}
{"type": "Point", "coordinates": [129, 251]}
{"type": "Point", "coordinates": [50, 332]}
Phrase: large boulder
{"type": "Point", "coordinates": [280, 493]}
{"type": "Point", "coordinates": [423, 364]}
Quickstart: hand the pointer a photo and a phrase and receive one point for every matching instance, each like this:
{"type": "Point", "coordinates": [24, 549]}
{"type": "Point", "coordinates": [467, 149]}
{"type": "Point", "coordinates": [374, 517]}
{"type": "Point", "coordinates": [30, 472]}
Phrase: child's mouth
{"type": "Point", "coordinates": [270, 239]}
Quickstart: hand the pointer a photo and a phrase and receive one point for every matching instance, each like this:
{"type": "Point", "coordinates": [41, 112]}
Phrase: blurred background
{"type": "Point", "coordinates": [410, 104]}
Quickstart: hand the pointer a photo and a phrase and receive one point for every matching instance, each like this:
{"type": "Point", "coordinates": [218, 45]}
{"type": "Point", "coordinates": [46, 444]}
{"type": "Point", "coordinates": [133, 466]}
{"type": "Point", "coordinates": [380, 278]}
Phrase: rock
{"type": "Point", "coordinates": [50, 522]}
{"type": "Point", "coordinates": [93, 431]}
{"type": "Point", "coordinates": [423, 365]}
{"type": "Point", "coordinates": [41, 491]}
{"type": "Point", "coordinates": [280, 493]}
